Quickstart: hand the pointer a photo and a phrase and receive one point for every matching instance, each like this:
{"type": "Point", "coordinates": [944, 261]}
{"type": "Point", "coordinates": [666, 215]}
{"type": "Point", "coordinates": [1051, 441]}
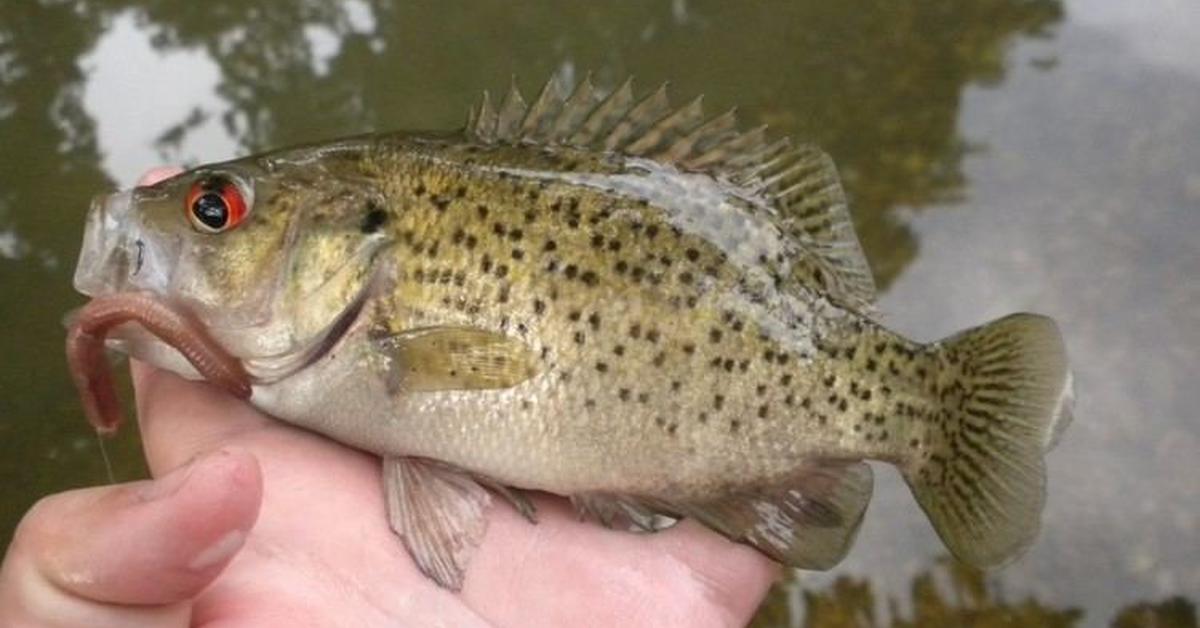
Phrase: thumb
{"type": "Point", "coordinates": [133, 554]}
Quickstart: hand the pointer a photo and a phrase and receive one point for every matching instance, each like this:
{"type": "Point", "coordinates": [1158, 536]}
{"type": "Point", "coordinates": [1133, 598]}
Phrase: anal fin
{"type": "Point", "coordinates": [438, 512]}
{"type": "Point", "coordinates": [612, 510]}
{"type": "Point", "coordinates": [808, 522]}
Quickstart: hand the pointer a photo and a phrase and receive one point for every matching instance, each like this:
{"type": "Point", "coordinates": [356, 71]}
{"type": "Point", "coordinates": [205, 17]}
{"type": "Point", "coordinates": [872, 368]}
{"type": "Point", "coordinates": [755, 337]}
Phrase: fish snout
{"type": "Point", "coordinates": [112, 250]}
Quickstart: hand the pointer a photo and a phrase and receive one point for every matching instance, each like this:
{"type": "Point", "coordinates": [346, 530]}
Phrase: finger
{"type": "Point", "coordinates": [181, 419]}
{"type": "Point", "coordinates": [687, 575]}
{"type": "Point", "coordinates": [160, 173]}
{"type": "Point", "coordinates": [133, 554]}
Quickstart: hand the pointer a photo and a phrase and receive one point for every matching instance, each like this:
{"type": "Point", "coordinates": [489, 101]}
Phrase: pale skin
{"type": "Point", "coordinates": [251, 522]}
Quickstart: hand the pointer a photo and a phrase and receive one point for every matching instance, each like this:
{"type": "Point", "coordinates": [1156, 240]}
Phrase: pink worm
{"type": "Point", "coordinates": [174, 326]}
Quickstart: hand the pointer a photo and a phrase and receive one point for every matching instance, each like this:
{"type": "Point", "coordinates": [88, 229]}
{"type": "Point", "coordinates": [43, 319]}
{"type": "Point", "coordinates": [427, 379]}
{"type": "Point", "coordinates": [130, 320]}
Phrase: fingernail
{"type": "Point", "coordinates": [218, 552]}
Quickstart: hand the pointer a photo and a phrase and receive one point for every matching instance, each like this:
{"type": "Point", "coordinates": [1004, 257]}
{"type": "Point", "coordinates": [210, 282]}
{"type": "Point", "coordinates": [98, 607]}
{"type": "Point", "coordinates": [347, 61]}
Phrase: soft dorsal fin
{"type": "Point", "coordinates": [799, 184]}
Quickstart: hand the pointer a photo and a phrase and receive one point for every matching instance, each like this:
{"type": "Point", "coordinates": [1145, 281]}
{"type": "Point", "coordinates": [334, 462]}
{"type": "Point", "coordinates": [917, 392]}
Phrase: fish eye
{"type": "Point", "coordinates": [215, 204]}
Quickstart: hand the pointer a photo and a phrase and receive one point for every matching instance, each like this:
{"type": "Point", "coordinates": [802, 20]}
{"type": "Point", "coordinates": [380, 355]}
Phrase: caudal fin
{"type": "Point", "coordinates": [1006, 397]}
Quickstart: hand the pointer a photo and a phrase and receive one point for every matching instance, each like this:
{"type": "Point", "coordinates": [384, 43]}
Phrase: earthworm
{"type": "Point", "coordinates": [172, 325]}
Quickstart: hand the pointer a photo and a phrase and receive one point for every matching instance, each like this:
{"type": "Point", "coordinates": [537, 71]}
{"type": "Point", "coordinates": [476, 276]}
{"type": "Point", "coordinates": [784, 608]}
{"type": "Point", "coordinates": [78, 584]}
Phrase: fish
{"type": "Point", "coordinates": [653, 312]}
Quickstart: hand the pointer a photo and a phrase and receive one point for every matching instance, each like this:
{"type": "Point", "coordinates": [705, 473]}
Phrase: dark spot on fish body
{"type": "Point", "coordinates": [373, 220]}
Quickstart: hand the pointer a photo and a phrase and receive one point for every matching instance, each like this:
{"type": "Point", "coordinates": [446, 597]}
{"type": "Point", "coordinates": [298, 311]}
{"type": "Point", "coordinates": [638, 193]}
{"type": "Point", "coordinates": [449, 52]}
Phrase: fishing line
{"type": "Point", "coordinates": [104, 456]}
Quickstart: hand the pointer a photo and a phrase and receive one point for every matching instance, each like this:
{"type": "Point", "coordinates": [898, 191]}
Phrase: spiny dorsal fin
{"type": "Point", "coordinates": [798, 183]}
{"type": "Point", "coordinates": [512, 113]}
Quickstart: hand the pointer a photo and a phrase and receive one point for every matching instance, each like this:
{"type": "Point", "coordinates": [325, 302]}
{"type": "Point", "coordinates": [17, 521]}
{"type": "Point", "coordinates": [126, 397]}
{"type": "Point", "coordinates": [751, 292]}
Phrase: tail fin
{"type": "Point", "coordinates": [982, 482]}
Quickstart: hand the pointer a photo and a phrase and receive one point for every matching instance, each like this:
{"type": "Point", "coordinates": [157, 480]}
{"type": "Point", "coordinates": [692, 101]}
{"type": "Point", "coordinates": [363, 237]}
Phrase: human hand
{"type": "Point", "coordinates": [186, 549]}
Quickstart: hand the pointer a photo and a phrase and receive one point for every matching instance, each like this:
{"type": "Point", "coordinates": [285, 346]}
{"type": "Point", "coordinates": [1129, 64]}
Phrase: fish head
{"type": "Point", "coordinates": [272, 255]}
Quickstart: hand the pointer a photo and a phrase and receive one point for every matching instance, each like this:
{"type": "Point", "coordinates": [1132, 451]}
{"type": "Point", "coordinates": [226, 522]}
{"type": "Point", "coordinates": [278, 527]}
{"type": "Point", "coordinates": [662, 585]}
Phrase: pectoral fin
{"type": "Point", "coordinates": [438, 512]}
{"type": "Point", "coordinates": [435, 359]}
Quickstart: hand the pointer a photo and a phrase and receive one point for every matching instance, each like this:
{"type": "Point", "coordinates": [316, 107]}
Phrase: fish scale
{"type": "Point", "coordinates": [634, 306]}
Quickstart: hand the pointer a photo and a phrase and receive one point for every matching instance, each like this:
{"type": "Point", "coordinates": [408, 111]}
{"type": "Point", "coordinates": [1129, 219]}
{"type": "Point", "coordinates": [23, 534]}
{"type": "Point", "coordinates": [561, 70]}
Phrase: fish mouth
{"type": "Point", "coordinates": [169, 322]}
{"type": "Point", "coordinates": [172, 326]}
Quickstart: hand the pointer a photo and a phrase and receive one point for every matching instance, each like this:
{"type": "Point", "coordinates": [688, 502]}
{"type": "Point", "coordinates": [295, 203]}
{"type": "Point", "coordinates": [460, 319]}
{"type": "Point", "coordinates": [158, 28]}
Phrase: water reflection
{"type": "Point", "coordinates": [951, 594]}
{"type": "Point", "coordinates": [916, 101]}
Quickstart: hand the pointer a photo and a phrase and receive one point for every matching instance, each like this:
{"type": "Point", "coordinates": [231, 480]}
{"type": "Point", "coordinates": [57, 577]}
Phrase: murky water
{"type": "Point", "coordinates": [1000, 155]}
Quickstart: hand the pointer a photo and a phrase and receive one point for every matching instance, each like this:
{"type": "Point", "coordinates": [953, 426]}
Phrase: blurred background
{"type": "Point", "coordinates": [1000, 155]}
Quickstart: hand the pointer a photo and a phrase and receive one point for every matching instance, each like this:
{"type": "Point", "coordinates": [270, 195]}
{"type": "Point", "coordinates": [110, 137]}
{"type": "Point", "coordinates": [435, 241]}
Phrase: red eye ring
{"type": "Point", "coordinates": [215, 204]}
